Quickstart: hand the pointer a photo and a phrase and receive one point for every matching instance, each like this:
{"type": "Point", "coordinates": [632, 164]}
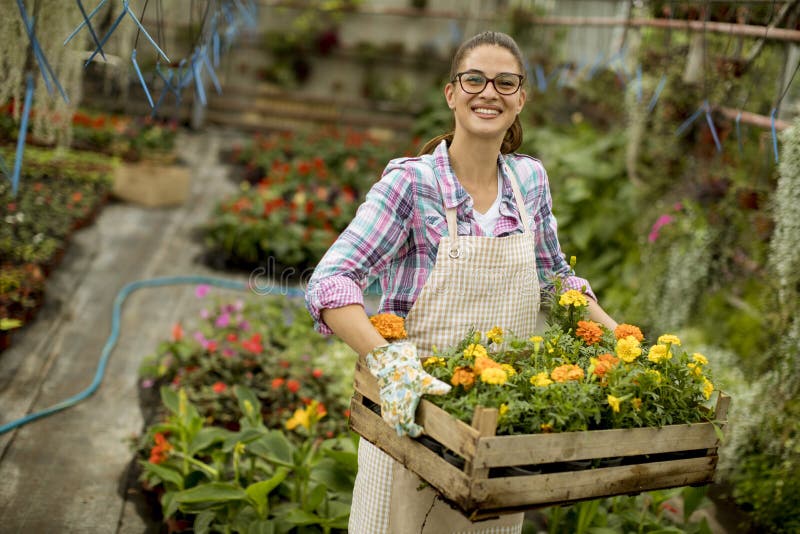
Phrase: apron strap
{"type": "Point", "coordinates": [452, 229]}
{"type": "Point", "coordinates": [523, 213]}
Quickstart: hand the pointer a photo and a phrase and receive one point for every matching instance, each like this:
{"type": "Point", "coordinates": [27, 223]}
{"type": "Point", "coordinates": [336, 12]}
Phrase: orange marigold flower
{"type": "Point", "coordinates": [482, 363]}
{"type": "Point", "coordinates": [624, 330]}
{"type": "Point", "coordinates": [463, 376]}
{"type": "Point", "coordinates": [565, 373]}
{"type": "Point", "coordinates": [604, 363]}
{"type": "Point", "coordinates": [389, 325]}
{"type": "Point", "coordinates": [589, 331]}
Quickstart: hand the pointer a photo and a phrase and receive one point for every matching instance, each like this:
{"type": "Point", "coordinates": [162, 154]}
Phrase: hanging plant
{"type": "Point", "coordinates": [785, 245]}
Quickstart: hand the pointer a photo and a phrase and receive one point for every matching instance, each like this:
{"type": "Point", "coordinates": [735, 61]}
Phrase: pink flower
{"type": "Point", "coordinates": [663, 220]}
{"type": "Point", "coordinates": [202, 290]}
{"type": "Point", "coordinates": [147, 383]}
{"type": "Point", "coordinates": [223, 320]}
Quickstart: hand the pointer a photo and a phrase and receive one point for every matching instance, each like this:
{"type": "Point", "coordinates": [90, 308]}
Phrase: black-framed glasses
{"type": "Point", "coordinates": [474, 82]}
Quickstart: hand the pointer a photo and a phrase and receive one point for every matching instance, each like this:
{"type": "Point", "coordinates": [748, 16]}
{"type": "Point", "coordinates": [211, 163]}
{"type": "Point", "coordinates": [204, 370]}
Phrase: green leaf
{"type": "Point", "coordinates": [334, 475]}
{"type": "Point", "coordinates": [274, 447]}
{"type": "Point", "coordinates": [349, 460]}
{"type": "Point", "coordinates": [211, 492]}
{"type": "Point", "coordinates": [170, 399]}
{"type": "Point", "coordinates": [301, 517]}
{"type": "Point", "coordinates": [262, 526]}
{"type": "Point", "coordinates": [315, 497]}
{"type": "Point", "coordinates": [202, 522]}
{"type": "Point", "coordinates": [206, 437]}
{"type": "Point", "coordinates": [166, 474]}
{"type": "Point", "coordinates": [258, 492]}
{"type": "Point", "coordinates": [169, 505]}
{"type": "Point", "coordinates": [692, 499]}
{"type": "Point", "coordinates": [246, 394]}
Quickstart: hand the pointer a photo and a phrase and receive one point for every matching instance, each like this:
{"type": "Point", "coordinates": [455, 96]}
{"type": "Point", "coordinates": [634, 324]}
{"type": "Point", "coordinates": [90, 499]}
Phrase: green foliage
{"type": "Point", "coordinates": [251, 480]}
{"type": "Point", "coordinates": [655, 511]}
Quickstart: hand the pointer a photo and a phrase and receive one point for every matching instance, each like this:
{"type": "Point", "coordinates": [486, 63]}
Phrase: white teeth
{"type": "Point", "coordinates": [487, 111]}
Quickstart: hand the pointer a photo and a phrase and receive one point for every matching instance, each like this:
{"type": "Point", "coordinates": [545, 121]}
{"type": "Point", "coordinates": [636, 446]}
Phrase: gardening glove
{"type": "Point", "coordinates": [403, 381]}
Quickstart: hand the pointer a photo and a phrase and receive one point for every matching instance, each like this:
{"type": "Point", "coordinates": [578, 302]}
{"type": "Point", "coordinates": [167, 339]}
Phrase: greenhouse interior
{"type": "Point", "coordinates": [216, 216]}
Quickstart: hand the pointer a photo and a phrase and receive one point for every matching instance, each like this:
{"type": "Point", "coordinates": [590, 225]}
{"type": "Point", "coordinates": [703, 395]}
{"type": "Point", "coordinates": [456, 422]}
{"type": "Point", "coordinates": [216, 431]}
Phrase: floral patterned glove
{"type": "Point", "coordinates": [403, 381]}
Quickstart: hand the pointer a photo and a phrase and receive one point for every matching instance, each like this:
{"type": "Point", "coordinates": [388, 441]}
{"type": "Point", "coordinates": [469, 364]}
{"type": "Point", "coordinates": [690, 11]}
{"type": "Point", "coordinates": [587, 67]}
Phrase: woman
{"type": "Point", "coordinates": [462, 236]}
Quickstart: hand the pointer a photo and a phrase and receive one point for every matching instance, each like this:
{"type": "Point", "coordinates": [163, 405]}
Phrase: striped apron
{"type": "Point", "coordinates": [477, 282]}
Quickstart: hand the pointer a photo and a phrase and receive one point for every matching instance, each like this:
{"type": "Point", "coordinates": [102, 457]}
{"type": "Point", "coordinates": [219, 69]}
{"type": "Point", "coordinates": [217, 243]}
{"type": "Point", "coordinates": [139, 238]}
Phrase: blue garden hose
{"type": "Point", "coordinates": [115, 324]}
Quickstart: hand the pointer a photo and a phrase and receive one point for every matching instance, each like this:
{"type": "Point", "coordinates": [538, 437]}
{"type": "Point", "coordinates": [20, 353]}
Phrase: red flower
{"type": "Point", "coordinates": [160, 451]}
{"type": "Point", "coordinates": [177, 332]}
{"type": "Point", "coordinates": [219, 387]}
{"type": "Point", "coordinates": [293, 385]}
{"type": "Point", "coordinates": [212, 346]}
{"type": "Point", "coordinates": [316, 373]}
{"type": "Point", "coordinates": [284, 364]}
{"type": "Point", "coordinates": [253, 344]}
{"type": "Point", "coordinates": [277, 383]}
{"type": "Point", "coordinates": [233, 338]}
{"type": "Point", "coordinates": [347, 413]}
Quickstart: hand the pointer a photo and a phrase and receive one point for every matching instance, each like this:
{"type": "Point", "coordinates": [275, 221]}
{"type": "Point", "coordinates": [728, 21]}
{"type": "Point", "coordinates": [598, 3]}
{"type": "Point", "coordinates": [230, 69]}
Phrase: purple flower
{"type": "Point", "coordinates": [228, 353]}
{"type": "Point", "coordinates": [200, 338]}
{"type": "Point", "coordinates": [202, 290]}
{"type": "Point", "coordinates": [204, 313]}
{"type": "Point", "coordinates": [238, 305]}
{"type": "Point", "coordinates": [244, 325]}
{"type": "Point", "coordinates": [223, 320]}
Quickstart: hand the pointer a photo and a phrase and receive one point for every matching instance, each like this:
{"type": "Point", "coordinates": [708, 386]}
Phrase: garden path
{"type": "Point", "coordinates": [67, 472]}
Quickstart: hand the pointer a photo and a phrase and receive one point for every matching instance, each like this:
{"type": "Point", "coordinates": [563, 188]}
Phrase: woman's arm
{"type": "Point", "coordinates": [598, 314]}
{"type": "Point", "coordinates": [351, 324]}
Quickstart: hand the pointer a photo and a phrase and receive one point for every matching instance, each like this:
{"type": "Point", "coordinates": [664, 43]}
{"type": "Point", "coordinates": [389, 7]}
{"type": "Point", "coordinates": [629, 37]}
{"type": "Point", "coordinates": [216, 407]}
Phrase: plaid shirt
{"type": "Point", "coordinates": [396, 231]}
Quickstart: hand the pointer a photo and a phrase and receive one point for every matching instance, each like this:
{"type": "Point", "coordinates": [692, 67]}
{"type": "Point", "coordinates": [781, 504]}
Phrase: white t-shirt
{"type": "Point", "coordinates": [488, 220]}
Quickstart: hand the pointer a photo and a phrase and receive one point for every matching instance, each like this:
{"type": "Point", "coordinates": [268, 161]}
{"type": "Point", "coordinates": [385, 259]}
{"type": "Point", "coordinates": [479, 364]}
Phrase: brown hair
{"type": "Point", "coordinates": [513, 137]}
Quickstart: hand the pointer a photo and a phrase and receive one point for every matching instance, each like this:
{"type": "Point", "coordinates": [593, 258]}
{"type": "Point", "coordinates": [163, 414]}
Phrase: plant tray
{"type": "Point", "coordinates": [486, 475]}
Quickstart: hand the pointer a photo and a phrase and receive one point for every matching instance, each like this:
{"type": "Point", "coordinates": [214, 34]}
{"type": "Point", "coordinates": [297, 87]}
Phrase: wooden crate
{"type": "Point", "coordinates": [486, 475]}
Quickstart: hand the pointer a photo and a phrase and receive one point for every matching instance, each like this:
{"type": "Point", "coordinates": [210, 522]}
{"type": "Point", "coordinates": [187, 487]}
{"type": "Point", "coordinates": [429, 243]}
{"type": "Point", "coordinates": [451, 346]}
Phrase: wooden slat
{"type": "Point", "coordinates": [514, 492]}
{"type": "Point", "coordinates": [456, 435]}
{"type": "Point", "coordinates": [547, 448]}
{"type": "Point", "coordinates": [450, 481]}
{"type": "Point", "coordinates": [484, 421]}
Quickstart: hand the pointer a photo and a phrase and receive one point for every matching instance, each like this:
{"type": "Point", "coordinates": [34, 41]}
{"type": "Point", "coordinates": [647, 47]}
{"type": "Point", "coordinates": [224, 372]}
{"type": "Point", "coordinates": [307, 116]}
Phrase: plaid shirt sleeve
{"type": "Point", "coordinates": [550, 260]}
{"type": "Point", "coordinates": [376, 236]}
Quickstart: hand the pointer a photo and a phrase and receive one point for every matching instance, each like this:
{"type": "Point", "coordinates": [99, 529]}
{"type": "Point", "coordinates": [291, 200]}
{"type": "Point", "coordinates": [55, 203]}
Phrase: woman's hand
{"type": "Point", "coordinates": [598, 315]}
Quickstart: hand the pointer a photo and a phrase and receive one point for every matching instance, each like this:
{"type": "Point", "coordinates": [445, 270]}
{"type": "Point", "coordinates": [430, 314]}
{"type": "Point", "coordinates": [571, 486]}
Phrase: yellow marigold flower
{"type": "Point", "coordinates": [636, 402]}
{"type": "Point", "coordinates": [697, 370]}
{"type": "Point", "coordinates": [614, 402]}
{"type": "Point", "coordinates": [434, 360]}
{"type": "Point", "coordinates": [547, 428]}
{"type": "Point", "coordinates": [628, 349]}
{"type": "Point", "coordinates": [509, 369]}
{"type": "Point", "coordinates": [589, 331]}
{"type": "Point", "coordinates": [624, 330]}
{"type": "Point", "coordinates": [565, 373]}
{"type": "Point", "coordinates": [463, 377]}
{"type": "Point", "coordinates": [573, 298]}
{"type": "Point", "coordinates": [659, 353]}
{"type": "Point", "coordinates": [541, 380]}
{"type": "Point", "coordinates": [495, 335]}
{"type": "Point", "coordinates": [493, 375]}
{"type": "Point", "coordinates": [475, 350]}
{"type": "Point", "coordinates": [669, 339]}
{"type": "Point", "coordinates": [482, 363]}
{"type": "Point", "coordinates": [389, 325]}
{"type": "Point", "coordinates": [699, 358]}
{"type": "Point", "coordinates": [536, 339]}
{"type": "Point", "coordinates": [708, 388]}
{"type": "Point", "coordinates": [502, 410]}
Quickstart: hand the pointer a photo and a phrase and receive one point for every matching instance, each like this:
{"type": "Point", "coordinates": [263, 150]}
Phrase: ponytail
{"type": "Point", "coordinates": [511, 141]}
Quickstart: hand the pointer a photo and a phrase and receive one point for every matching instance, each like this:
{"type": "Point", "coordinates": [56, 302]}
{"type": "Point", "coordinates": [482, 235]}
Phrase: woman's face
{"type": "Point", "coordinates": [487, 114]}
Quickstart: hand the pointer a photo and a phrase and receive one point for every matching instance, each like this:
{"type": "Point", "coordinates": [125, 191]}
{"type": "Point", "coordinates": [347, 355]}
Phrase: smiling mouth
{"type": "Point", "coordinates": [486, 111]}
